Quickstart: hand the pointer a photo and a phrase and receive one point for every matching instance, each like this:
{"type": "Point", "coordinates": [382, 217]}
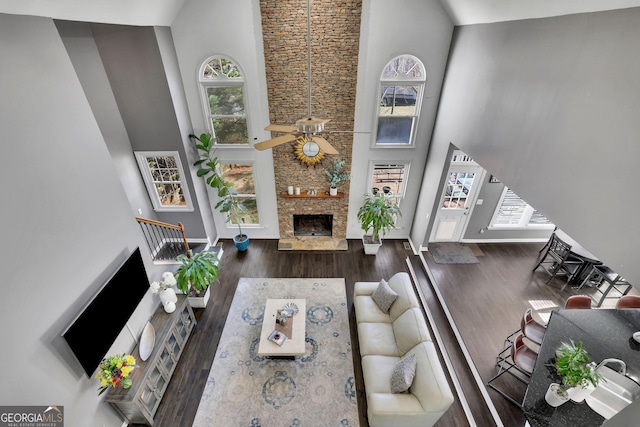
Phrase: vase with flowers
{"type": "Point", "coordinates": [114, 371]}
{"type": "Point", "coordinates": [165, 291]}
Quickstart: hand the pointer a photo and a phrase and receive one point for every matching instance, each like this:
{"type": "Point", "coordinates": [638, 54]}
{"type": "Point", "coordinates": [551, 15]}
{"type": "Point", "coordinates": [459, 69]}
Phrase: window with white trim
{"type": "Point", "coordinates": [241, 176]}
{"type": "Point", "coordinates": [223, 97]}
{"type": "Point", "coordinates": [390, 179]}
{"type": "Point", "coordinates": [164, 178]}
{"type": "Point", "coordinates": [399, 99]}
{"type": "Point", "coordinates": [514, 213]}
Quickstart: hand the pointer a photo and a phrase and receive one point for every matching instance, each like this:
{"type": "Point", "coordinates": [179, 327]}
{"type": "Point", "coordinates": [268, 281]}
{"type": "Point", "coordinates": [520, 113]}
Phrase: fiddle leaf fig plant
{"type": "Point", "coordinates": [209, 169]}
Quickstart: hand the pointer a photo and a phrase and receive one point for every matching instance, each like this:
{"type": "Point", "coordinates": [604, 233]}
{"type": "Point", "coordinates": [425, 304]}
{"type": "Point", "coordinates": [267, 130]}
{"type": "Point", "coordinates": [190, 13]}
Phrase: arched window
{"type": "Point", "coordinates": [400, 96]}
{"type": "Point", "coordinates": [222, 91]}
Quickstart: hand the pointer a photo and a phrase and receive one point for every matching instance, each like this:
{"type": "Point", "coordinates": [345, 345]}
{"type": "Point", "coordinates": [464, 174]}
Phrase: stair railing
{"type": "Point", "coordinates": [165, 241]}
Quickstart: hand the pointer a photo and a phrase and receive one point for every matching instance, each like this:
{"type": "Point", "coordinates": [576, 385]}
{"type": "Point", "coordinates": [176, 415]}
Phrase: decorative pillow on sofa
{"type": "Point", "coordinates": [403, 373]}
{"type": "Point", "coordinates": [384, 296]}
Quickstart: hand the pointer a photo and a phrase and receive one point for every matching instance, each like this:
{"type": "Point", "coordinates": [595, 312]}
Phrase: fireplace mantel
{"type": "Point", "coordinates": [320, 195]}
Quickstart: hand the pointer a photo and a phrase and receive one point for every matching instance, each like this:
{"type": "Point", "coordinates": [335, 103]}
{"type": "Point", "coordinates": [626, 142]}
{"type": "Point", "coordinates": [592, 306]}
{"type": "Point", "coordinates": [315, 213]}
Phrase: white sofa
{"type": "Point", "coordinates": [384, 339]}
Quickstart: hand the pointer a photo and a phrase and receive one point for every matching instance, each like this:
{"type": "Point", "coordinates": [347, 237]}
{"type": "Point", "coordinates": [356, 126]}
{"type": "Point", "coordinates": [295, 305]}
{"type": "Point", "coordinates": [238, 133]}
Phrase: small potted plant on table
{"type": "Point", "coordinates": [336, 175]}
{"type": "Point", "coordinates": [377, 213]}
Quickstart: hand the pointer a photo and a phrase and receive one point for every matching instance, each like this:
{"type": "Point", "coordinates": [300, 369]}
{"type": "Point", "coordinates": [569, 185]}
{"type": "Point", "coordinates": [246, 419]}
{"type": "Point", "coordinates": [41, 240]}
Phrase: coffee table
{"type": "Point", "coordinates": [293, 345]}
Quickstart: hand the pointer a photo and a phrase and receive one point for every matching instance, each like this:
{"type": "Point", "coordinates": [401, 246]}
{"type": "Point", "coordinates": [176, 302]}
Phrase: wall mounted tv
{"type": "Point", "coordinates": [96, 328]}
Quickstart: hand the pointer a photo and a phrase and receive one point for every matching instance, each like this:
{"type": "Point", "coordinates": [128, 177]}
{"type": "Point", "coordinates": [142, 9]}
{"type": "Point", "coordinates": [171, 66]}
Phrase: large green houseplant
{"type": "Point", "coordinates": [196, 274]}
{"type": "Point", "coordinates": [209, 169]}
{"type": "Point", "coordinates": [378, 214]}
{"type": "Point", "coordinates": [578, 375]}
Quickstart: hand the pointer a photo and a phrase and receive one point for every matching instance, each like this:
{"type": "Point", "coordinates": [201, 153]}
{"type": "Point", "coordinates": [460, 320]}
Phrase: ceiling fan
{"type": "Point", "coordinates": [307, 130]}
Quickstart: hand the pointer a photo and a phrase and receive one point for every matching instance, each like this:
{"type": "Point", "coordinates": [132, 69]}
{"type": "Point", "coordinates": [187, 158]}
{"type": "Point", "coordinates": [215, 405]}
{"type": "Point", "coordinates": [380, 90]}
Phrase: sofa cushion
{"type": "Point", "coordinates": [368, 311]}
{"type": "Point", "coordinates": [410, 329]}
{"type": "Point", "coordinates": [403, 373]}
{"type": "Point", "coordinates": [384, 296]}
{"type": "Point", "coordinates": [377, 338]}
{"type": "Point", "coordinates": [401, 284]}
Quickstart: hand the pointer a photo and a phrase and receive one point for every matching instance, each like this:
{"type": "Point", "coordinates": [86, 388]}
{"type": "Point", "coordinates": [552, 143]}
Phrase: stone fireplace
{"type": "Point", "coordinates": [335, 38]}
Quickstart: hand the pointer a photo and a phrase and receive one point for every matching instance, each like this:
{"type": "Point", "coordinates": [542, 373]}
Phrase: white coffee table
{"type": "Point", "coordinates": [293, 345]}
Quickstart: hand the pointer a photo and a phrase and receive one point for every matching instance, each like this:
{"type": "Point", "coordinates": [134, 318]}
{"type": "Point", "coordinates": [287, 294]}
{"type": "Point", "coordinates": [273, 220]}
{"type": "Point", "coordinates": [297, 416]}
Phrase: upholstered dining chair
{"type": "Point", "coordinates": [628, 301]}
{"type": "Point", "coordinates": [578, 301]}
{"type": "Point", "coordinates": [531, 328]}
{"type": "Point", "coordinates": [520, 365]}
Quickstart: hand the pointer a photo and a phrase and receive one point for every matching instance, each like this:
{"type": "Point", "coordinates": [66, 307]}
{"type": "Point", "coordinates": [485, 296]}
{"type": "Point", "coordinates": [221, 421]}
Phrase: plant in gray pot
{"type": "Point", "coordinates": [336, 175]}
{"type": "Point", "coordinates": [228, 204]}
{"type": "Point", "coordinates": [195, 275]}
{"type": "Point", "coordinates": [378, 213]}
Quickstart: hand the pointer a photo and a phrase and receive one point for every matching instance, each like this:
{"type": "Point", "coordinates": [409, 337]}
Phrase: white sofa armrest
{"type": "Point", "coordinates": [364, 288]}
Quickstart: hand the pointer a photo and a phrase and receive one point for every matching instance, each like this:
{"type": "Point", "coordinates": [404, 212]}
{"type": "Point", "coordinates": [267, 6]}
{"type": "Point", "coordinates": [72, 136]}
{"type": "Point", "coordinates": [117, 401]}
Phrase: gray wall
{"type": "Point", "coordinates": [425, 31]}
{"type": "Point", "coordinates": [67, 223]}
{"type": "Point", "coordinates": [550, 106]}
{"type": "Point", "coordinates": [133, 64]}
{"type": "Point", "coordinates": [82, 49]}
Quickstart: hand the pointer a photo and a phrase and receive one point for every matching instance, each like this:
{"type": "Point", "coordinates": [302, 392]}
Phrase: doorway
{"type": "Point", "coordinates": [457, 199]}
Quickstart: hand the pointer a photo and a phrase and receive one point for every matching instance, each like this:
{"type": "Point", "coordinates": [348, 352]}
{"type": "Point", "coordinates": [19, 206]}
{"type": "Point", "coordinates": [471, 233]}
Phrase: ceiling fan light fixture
{"type": "Point", "coordinates": [310, 125]}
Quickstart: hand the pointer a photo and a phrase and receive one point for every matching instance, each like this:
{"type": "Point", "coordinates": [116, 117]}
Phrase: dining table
{"type": "Point", "coordinates": [579, 251]}
{"type": "Point", "coordinates": [604, 333]}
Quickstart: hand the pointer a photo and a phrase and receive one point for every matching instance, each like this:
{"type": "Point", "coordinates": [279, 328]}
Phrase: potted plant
{"type": "Point", "coordinates": [379, 214]}
{"type": "Point", "coordinates": [579, 377]}
{"type": "Point", "coordinates": [209, 169]}
{"type": "Point", "coordinates": [336, 175]}
{"type": "Point", "coordinates": [195, 275]}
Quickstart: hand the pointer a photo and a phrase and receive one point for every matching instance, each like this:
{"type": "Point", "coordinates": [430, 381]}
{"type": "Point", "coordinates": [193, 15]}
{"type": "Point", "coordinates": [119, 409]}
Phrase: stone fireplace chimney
{"type": "Point", "coordinates": [335, 34]}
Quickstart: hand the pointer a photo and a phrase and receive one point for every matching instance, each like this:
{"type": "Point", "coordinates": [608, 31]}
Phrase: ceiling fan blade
{"type": "Point", "coordinates": [324, 145]}
{"type": "Point", "coordinates": [326, 120]}
{"type": "Point", "coordinates": [281, 128]}
{"type": "Point", "coordinates": [345, 131]}
{"type": "Point", "coordinates": [273, 142]}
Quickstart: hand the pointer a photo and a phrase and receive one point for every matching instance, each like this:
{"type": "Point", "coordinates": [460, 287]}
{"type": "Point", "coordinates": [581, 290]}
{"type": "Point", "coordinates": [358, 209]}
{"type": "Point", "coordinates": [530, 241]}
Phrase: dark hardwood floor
{"type": "Point", "coordinates": [485, 299]}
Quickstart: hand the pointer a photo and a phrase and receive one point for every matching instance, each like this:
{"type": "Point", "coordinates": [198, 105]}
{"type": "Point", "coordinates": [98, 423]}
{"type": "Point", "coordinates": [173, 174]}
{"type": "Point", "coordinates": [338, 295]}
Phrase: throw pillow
{"type": "Point", "coordinates": [403, 373]}
{"type": "Point", "coordinates": [384, 296]}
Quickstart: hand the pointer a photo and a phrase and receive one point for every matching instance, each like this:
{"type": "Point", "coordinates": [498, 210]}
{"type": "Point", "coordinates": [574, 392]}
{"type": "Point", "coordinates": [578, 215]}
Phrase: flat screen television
{"type": "Point", "coordinates": [93, 332]}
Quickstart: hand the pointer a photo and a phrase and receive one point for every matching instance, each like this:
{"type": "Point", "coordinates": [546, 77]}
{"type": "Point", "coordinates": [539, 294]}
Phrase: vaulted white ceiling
{"type": "Point", "coordinates": [163, 12]}
{"type": "Point", "coordinates": [465, 12]}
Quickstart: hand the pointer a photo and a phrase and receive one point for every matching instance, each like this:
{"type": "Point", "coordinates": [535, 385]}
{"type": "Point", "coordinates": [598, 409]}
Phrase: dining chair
{"type": "Point", "coordinates": [600, 275]}
{"type": "Point", "coordinates": [628, 301]}
{"type": "Point", "coordinates": [531, 328]}
{"type": "Point", "coordinates": [519, 364]}
{"type": "Point", "coordinates": [558, 260]}
{"type": "Point", "coordinates": [578, 301]}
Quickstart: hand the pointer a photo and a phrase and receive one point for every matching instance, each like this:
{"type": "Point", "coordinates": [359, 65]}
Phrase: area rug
{"type": "Point", "coordinates": [452, 253]}
{"type": "Point", "coordinates": [316, 389]}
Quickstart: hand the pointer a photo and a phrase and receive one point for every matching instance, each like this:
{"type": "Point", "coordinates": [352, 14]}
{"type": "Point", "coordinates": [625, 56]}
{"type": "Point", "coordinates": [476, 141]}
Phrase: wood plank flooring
{"type": "Point", "coordinates": [485, 299]}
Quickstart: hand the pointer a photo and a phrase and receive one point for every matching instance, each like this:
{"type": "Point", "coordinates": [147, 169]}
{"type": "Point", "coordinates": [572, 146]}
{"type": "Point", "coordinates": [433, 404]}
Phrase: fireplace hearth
{"type": "Point", "coordinates": [312, 225]}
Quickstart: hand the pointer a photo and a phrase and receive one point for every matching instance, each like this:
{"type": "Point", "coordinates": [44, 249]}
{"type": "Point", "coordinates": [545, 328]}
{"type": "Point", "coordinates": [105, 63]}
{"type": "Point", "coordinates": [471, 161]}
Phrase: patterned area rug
{"type": "Point", "coordinates": [317, 389]}
{"type": "Point", "coordinates": [452, 253]}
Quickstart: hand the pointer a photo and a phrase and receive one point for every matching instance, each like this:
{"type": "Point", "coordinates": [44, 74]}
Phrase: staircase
{"type": "Point", "coordinates": [167, 241]}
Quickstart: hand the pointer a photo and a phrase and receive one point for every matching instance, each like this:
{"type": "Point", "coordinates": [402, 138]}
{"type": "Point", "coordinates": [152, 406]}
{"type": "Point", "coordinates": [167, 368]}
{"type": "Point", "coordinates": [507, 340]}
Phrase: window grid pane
{"type": "Point", "coordinates": [241, 176]}
{"type": "Point", "coordinates": [163, 178]}
{"type": "Point", "coordinates": [389, 179]}
{"type": "Point", "coordinates": [457, 189]}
